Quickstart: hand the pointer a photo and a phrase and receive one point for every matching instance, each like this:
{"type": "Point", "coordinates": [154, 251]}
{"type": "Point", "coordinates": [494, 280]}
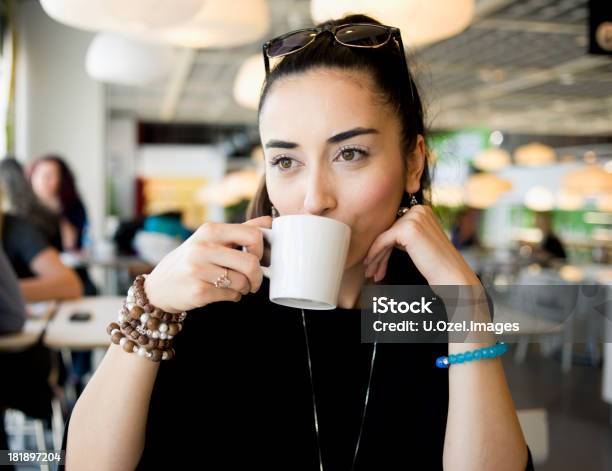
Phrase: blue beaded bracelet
{"type": "Point", "coordinates": [493, 351]}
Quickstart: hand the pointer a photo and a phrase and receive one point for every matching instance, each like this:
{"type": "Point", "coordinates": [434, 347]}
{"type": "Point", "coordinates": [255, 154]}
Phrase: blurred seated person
{"type": "Point", "coordinates": [54, 184]}
{"type": "Point", "coordinates": [20, 200]}
{"type": "Point", "coordinates": [42, 275]}
{"type": "Point", "coordinates": [464, 233]}
{"type": "Point", "coordinates": [550, 250]}
{"type": "Point", "coordinates": [12, 304]}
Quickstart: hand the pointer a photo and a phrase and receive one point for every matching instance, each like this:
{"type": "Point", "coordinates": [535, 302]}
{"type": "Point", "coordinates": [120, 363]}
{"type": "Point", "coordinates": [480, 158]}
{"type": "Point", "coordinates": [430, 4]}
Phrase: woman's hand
{"type": "Point", "coordinates": [184, 279]}
{"type": "Point", "coordinates": [419, 233]}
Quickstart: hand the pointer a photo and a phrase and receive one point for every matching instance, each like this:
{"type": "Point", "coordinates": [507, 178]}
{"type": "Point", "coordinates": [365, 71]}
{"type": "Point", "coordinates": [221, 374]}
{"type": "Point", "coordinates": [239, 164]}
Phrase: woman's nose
{"type": "Point", "coordinates": [320, 195]}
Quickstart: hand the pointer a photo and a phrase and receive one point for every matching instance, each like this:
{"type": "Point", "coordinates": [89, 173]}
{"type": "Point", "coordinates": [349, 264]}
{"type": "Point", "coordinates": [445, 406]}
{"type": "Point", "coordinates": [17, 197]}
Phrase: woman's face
{"type": "Point", "coordinates": [46, 180]}
{"type": "Point", "coordinates": [332, 149]}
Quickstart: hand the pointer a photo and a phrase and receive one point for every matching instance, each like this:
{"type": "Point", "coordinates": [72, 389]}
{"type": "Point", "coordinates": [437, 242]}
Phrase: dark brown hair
{"type": "Point", "coordinates": [383, 64]}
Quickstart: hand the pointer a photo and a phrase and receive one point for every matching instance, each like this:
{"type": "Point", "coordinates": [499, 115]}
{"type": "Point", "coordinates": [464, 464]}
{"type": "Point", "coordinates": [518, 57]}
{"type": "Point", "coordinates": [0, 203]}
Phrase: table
{"type": "Point", "coordinates": [111, 266]}
{"type": "Point", "coordinates": [83, 335]}
{"type": "Point", "coordinates": [38, 317]}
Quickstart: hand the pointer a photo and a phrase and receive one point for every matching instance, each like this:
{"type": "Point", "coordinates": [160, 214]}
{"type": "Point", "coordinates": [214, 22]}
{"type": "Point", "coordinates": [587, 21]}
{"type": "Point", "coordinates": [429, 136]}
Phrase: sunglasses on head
{"type": "Point", "coordinates": [358, 35]}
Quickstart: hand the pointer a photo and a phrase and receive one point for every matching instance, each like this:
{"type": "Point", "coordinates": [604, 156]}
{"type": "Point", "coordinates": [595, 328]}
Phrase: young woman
{"type": "Point", "coordinates": [54, 184]}
{"type": "Point", "coordinates": [255, 384]}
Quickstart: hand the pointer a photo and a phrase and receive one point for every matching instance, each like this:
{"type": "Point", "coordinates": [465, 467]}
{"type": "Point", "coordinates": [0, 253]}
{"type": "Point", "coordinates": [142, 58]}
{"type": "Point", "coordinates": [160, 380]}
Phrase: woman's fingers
{"type": "Point", "coordinates": [382, 266]}
{"type": "Point", "coordinates": [238, 281]}
{"type": "Point", "coordinates": [214, 295]}
{"type": "Point", "coordinates": [246, 235]}
{"type": "Point", "coordinates": [246, 264]}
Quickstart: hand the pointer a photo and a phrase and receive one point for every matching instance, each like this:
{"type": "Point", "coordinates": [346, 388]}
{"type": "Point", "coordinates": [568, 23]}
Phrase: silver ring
{"type": "Point", "coordinates": [223, 281]}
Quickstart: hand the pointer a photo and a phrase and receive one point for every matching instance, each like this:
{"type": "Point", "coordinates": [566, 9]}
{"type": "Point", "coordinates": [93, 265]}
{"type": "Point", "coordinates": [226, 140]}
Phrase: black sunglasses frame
{"type": "Point", "coordinates": [391, 31]}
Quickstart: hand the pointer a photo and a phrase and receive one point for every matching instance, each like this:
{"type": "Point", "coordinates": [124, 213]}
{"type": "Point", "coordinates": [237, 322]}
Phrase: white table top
{"type": "Point", "coordinates": [64, 333]}
{"type": "Point", "coordinates": [38, 316]}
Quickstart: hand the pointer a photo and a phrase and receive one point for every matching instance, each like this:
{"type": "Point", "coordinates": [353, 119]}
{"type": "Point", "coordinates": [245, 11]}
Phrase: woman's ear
{"type": "Point", "coordinates": [416, 165]}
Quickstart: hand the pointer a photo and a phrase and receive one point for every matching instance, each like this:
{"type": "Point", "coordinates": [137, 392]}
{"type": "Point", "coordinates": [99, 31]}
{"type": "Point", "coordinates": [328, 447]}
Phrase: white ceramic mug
{"type": "Point", "coordinates": [307, 259]}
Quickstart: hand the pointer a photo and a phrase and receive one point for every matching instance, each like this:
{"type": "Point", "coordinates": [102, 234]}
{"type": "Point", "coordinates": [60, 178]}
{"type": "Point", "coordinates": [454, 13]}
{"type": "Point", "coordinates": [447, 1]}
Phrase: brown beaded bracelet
{"type": "Point", "coordinates": [143, 328]}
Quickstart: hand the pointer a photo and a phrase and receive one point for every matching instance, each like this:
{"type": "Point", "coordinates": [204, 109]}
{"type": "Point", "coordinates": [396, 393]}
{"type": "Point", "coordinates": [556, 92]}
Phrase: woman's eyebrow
{"type": "Point", "coordinates": [351, 133]}
{"type": "Point", "coordinates": [332, 140]}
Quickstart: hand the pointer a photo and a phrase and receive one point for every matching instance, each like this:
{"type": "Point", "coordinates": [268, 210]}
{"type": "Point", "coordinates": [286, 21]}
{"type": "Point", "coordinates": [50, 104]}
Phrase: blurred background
{"type": "Point", "coordinates": [132, 123]}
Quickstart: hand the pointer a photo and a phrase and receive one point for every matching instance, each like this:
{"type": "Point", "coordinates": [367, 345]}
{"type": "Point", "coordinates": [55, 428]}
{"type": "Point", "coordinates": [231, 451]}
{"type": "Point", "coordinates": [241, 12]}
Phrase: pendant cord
{"type": "Point", "coordinates": [314, 402]}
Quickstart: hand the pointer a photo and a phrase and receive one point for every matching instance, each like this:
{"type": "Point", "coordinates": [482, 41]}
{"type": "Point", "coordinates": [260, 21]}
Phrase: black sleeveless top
{"type": "Point", "coordinates": [238, 393]}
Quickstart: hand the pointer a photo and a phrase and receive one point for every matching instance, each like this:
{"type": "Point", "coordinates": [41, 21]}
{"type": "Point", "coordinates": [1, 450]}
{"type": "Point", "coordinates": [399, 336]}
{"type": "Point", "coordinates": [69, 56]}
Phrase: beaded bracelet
{"type": "Point", "coordinates": [143, 328]}
{"type": "Point", "coordinates": [492, 351]}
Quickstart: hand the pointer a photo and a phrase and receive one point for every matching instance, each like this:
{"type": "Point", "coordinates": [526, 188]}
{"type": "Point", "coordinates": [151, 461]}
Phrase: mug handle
{"type": "Point", "coordinates": [267, 233]}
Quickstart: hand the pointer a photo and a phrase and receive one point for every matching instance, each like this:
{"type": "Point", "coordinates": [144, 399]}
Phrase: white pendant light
{"type": "Point", "coordinates": [589, 180]}
{"type": "Point", "coordinates": [539, 198]}
{"type": "Point", "coordinates": [91, 15]}
{"type": "Point", "coordinates": [221, 23]}
{"type": "Point", "coordinates": [535, 155]}
{"type": "Point", "coordinates": [447, 195]}
{"type": "Point", "coordinates": [492, 159]}
{"type": "Point", "coordinates": [154, 13]}
{"type": "Point", "coordinates": [421, 22]}
{"type": "Point", "coordinates": [484, 189]}
{"type": "Point", "coordinates": [121, 16]}
{"type": "Point", "coordinates": [248, 82]}
{"type": "Point", "coordinates": [116, 59]}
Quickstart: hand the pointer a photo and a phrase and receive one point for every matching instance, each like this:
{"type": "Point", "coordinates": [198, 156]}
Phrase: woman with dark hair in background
{"type": "Point", "coordinates": [20, 200]}
{"type": "Point", "coordinates": [341, 123]}
{"type": "Point", "coordinates": [54, 184]}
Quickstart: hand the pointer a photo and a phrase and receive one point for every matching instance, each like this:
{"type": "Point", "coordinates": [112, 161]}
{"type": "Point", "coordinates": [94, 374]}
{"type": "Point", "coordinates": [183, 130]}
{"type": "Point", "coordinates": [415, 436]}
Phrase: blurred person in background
{"type": "Point", "coordinates": [12, 318]}
{"type": "Point", "coordinates": [39, 275]}
{"type": "Point", "coordinates": [55, 186]}
{"type": "Point", "coordinates": [550, 249]}
{"type": "Point", "coordinates": [464, 233]}
{"type": "Point", "coordinates": [42, 275]}
{"type": "Point", "coordinates": [20, 200]}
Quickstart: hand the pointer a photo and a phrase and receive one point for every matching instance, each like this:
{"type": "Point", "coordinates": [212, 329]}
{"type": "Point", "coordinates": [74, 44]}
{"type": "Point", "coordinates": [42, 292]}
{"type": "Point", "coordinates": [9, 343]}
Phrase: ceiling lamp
{"type": "Point", "coordinates": [248, 82]}
{"type": "Point", "coordinates": [447, 195]}
{"type": "Point", "coordinates": [154, 13]}
{"type": "Point", "coordinates": [484, 189]}
{"type": "Point", "coordinates": [133, 16]}
{"type": "Point", "coordinates": [535, 155]}
{"type": "Point", "coordinates": [221, 23]}
{"type": "Point", "coordinates": [492, 159]}
{"type": "Point", "coordinates": [421, 21]}
{"type": "Point", "coordinates": [569, 201]}
{"type": "Point", "coordinates": [539, 198]}
{"type": "Point", "coordinates": [116, 59]}
{"type": "Point", "coordinates": [589, 180]}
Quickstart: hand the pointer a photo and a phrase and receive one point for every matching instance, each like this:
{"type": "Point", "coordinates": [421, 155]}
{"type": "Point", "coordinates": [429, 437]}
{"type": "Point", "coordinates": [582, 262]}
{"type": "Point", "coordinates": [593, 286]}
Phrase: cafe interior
{"type": "Point", "coordinates": [148, 111]}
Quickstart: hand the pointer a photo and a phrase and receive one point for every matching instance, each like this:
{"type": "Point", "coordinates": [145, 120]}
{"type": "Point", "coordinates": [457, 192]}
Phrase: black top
{"type": "Point", "coordinates": [22, 242]}
{"type": "Point", "coordinates": [238, 391]}
{"type": "Point", "coordinates": [77, 216]}
{"type": "Point", "coordinates": [12, 304]}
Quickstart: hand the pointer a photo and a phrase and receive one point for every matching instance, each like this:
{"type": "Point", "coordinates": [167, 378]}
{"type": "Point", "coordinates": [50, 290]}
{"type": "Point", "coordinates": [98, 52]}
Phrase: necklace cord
{"type": "Point", "coordinates": [314, 402]}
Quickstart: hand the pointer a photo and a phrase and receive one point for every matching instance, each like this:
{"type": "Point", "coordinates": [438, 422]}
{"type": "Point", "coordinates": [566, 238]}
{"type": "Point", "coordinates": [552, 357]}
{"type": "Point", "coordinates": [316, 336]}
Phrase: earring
{"type": "Point", "coordinates": [274, 212]}
{"type": "Point", "coordinates": [403, 210]}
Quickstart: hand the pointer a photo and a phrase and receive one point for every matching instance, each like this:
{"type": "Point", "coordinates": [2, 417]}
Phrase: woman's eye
{"type": "Point", "coordinates": [350, 154]}
{"type": "Point", "coordinates": [284, 163]}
